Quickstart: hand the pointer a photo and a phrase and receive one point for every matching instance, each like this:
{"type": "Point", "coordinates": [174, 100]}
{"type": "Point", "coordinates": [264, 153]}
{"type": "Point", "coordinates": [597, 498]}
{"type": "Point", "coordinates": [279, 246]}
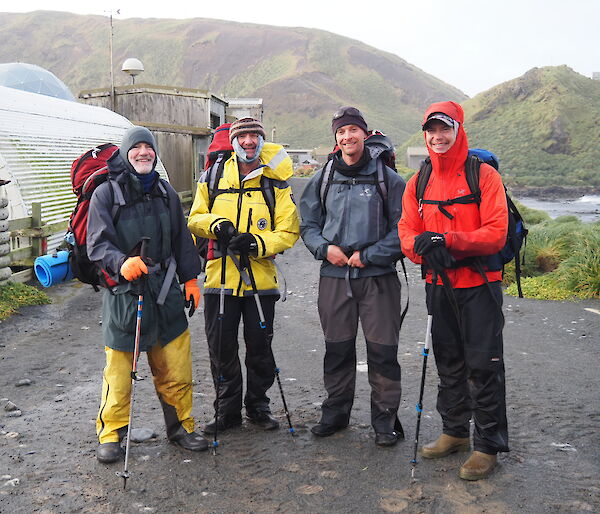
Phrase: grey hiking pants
{"type": "Point", "coordinates": [376, 302]}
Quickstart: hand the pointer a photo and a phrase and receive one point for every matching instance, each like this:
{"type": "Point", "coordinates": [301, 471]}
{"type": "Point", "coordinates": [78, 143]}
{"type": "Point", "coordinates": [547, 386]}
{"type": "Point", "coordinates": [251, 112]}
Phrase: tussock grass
{"type": "Point", "coordinates": [562, 261]}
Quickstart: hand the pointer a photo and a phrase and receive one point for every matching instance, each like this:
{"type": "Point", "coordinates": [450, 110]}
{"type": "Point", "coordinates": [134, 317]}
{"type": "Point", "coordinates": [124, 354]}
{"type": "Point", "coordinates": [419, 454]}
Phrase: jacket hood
{"type": "Point", "coordinates": [457, 155]}
{"type": "Point", "coordinates": [278, 164]}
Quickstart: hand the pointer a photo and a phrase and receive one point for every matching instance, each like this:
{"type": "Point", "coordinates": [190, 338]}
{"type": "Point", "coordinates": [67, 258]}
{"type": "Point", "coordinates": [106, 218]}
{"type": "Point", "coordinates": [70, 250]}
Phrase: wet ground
{"type": "Point", "coordinates": [47, 454]}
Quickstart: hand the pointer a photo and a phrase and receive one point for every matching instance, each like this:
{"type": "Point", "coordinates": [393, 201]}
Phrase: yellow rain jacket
{"type": "Point", "coordinates": [248, 211]}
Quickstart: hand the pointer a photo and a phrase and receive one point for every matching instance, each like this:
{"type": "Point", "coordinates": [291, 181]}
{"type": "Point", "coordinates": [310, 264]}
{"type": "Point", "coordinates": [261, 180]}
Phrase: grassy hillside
{"type": "Point", "coordinates": [543, 126]}
{"type": "Point", "coordinates": [303, 75]}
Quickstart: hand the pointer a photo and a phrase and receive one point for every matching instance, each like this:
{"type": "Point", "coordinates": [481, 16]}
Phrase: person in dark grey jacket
{"type": "Point", "coordinates": [352, 229]}
{"type": "Point", "coordinates": [135, 203]}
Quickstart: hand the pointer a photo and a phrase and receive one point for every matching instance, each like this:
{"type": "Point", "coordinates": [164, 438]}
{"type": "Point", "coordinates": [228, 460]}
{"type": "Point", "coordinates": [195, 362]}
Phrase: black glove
{"type": "Point", "coordinates": [224, 232]}
{"type": "Point", "coordinates": [244, 243]}
{"type": "Point", "coordinates": [439, 258]}
{"type": "Point", "coordinates": [427, 240]}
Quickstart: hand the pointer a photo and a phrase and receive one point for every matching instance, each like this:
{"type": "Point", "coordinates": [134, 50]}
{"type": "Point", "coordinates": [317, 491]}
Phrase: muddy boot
{"type": "Point", "coordinates": [479, 465]}
{"type": "Point", "coordinates": [189, 440]}
{"type": "Point", "coordinates": [445, 445]}
{"type": "Point", "coordinates": [263, 419]}
{"type": "Point", "coordinates": [225, 422]}
{"type": "Point", "coordinates": [107, 453]}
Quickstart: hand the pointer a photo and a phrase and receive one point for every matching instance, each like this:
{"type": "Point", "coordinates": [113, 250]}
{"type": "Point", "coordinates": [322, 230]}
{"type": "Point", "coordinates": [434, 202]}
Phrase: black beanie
{"type": "Point", "coordinates": [348, 116]}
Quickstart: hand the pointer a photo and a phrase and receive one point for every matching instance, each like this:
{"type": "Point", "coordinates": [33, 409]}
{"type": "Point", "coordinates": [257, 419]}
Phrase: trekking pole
{"type": "Point", "coordinates": [136, 353]}
{"type": "Point", "coordinates": [220, 320]}
{"type": "Point", "coordinates": [263, 326]}
{"type": "Point", "coordinates": [425, 354]}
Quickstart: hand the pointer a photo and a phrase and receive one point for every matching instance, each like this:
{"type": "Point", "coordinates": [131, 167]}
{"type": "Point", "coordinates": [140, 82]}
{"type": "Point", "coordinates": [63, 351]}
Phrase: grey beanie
{"type": "Point", "coordinates": [132, 137]}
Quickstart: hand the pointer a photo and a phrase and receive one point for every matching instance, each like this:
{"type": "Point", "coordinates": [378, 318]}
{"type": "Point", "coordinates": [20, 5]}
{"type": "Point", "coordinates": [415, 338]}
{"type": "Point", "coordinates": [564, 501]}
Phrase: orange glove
{"type": "Point", "coordinates": [133, 268]}
{"type": "Point", "coordinates": [192, 291]}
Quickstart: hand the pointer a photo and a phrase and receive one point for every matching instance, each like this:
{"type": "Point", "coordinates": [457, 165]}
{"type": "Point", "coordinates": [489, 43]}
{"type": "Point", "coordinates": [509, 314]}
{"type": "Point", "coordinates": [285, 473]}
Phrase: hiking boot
{"type": "Point", "coordinates": [189, 440]}
{"type": "Point", "coordinates": [479, 465]}
{"type": "Point", "coordinates": [325, 429]}
{"type": "Point", "coordinates": [107, 453]}
{"type": "Point", "coordinates": [445, 445]}
{"type": "Point", "coordinates": [226, 421]}
{"type": "Point", "coordinates": [386, 439]}
{"type": "Point", "coordinates": [263, 419]}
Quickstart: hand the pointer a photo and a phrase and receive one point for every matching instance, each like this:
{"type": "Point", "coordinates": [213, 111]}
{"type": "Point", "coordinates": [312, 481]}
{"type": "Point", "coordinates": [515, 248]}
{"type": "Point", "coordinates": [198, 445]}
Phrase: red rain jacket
{"type": "Point", "coordinates": [475, 230]}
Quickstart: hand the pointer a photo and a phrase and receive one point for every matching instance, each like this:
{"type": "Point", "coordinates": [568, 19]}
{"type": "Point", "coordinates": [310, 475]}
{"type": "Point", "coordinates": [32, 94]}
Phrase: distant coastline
{"type": "Point", "coordinates": [551, 193]}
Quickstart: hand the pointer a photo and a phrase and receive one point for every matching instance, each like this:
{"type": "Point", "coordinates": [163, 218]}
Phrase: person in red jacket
{"type": "Point", "coordinates": [466, 311]}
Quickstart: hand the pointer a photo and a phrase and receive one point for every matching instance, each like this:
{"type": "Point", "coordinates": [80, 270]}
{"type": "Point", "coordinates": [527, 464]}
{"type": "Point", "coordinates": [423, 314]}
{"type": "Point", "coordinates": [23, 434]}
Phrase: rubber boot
{"type": "Point", "coordinates": [189, 440]}
{"type": "Point", "coordinates": [445, 445]}
{"type": "Point", "coordinates": [479, 465]}
{"type": "Point", "coordinates": [107, 453]}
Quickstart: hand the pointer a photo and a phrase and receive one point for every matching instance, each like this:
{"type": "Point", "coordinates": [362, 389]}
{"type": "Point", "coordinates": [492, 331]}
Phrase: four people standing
{"type": "Point", "coordinates": [353, 211]}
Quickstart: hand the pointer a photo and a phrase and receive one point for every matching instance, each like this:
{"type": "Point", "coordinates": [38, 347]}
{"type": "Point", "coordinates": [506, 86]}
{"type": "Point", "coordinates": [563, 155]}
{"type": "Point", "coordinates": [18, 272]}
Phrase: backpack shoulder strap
{"type": "Point", "coordinates": [118, 198]}
{"type": "Point", "coordinates": [472, 165]}
{"type": "Point", "coordinates": [268, 191]}
{"type": "Point", "coordinates": [326, 177]}
{"type": "Point", "coordinates": [381, 184]}
{"type": "Point", "coordinates": [423, 178]}
{"type": "Point", "coordinates": [213, 176]}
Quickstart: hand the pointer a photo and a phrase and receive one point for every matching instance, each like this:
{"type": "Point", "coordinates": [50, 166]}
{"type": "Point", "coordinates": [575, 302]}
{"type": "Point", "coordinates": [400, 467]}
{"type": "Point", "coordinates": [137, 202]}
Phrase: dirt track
{"type": "Point", "coordinates": [47, 455]}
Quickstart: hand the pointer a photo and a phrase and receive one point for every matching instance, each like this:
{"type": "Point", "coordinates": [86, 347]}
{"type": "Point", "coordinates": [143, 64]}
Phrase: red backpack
{"type": "Point", "coordinates": [87, 173]}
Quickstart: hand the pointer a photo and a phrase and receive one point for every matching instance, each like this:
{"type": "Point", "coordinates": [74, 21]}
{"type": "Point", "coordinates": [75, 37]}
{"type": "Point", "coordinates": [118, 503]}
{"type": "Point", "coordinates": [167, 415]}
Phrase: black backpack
{"type": "Point", "coordinates": [517, 233]}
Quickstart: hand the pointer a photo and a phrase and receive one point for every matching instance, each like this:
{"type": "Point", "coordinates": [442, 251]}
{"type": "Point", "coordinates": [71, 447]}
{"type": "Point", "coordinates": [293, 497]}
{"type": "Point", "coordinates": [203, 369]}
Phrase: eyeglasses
{"type": "Point", "coordinates": [350, 111]}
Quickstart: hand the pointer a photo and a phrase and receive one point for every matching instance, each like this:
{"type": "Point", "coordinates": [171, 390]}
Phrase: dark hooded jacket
{"type": "Point", "coordinates": [112, 235]}
{"type": "Point", "coordinates": [354, 219]}
{"type": "Point", "coordinates": [475, 230]}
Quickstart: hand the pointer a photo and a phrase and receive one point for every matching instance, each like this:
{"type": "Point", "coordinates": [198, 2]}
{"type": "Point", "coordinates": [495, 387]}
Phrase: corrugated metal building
{"type": "Point", "coordinates": [40, 136]}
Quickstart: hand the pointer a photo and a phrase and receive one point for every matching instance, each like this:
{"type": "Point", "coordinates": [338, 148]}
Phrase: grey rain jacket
{"type": "Point", "coordinates": [354, 220]}
{"type": "Point", "coordinates": [109, 242]}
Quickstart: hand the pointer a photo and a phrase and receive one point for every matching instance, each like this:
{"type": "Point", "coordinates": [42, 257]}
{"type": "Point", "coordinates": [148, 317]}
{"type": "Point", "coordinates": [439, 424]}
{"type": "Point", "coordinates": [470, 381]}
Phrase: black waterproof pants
{"type": "Point", "coordinates": [470, 363]}
{"type": "Point", "coordinates": [260, 364]}
{"type": "Point", "coordinates": [376, 302]}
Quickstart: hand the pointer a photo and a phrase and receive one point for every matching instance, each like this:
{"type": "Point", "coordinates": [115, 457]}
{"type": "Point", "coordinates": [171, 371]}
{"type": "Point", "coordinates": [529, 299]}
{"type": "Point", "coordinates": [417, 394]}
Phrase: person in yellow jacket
{"type": "Point", "coordinates": [241, 223]}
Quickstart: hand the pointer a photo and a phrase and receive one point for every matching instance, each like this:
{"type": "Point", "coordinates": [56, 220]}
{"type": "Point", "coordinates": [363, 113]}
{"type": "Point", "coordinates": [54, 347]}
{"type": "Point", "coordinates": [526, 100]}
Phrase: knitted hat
{"type": "Point", "coordinates": [132, 137]}
{"type": "Point", "coordinates": [246, 126]}
{"type": "Point", "coordinates": [348, 116]}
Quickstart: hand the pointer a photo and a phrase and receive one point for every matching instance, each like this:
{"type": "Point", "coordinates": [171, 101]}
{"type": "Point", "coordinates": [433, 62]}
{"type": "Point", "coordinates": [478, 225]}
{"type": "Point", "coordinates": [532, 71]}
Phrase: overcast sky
{"type": "Point", "coordinates": [470, 44]}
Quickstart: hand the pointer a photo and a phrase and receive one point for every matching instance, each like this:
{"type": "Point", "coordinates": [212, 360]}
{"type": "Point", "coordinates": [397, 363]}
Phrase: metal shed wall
{"type": "Point", "coordinates": [40, 136]}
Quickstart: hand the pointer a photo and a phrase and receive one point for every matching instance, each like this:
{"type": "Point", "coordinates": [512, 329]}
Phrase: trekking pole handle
{"type": "Point", "coordinates": [144, 247]}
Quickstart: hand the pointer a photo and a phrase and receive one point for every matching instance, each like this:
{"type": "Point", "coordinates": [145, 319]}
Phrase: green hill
{"type": "Point", "coordinates": [303, 75]}
{"type": "Point", "coordinates": [543, 126]}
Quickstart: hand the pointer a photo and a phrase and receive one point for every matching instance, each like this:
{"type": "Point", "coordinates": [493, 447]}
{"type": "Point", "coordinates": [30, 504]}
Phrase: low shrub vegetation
{"type": "Point", "coordinates": [14, 295]}
{"type": "Point", "coordinates": [562, 260]}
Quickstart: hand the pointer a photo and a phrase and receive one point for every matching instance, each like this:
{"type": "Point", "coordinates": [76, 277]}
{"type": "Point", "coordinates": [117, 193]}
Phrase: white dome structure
{"type": "Point", "coordinates": [32, 78]}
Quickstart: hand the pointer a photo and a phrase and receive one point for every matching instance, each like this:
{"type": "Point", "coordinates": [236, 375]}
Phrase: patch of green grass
{"type": "Point", "coordinates": [562, 261]}
{"type": "Point", "coordinates": [14, 295]}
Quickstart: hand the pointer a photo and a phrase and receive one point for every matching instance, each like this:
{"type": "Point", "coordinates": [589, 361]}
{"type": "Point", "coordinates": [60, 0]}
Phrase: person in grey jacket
{"type": "Point", "coordinates": [133, 204]}
{"type": "Point", "coordinates": [353, 230]}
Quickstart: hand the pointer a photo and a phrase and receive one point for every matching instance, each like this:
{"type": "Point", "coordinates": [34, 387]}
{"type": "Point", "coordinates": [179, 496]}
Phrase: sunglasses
{"type": "Point", "coordinates": [349, 111]}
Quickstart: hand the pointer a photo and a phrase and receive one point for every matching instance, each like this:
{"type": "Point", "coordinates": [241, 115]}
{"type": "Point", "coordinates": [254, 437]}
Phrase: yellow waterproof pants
{"type": "Point", "coordinates": [171, 367]}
